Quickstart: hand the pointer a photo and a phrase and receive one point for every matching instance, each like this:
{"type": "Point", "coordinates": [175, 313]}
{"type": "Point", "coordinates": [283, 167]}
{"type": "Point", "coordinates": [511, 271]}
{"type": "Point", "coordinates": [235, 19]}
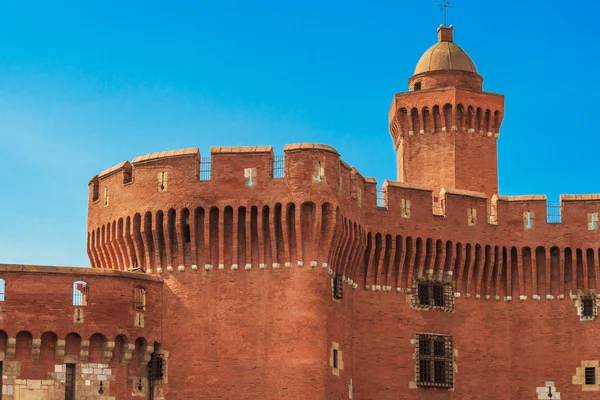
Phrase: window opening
{"type": "Point", "coordinates": [335, 358]}
{"type": "Point", "coordinates": [70, 382]}
{"type": "Point", "coordinates": [359, 196]}
{"type": "Point", "coordinates": [528, 218]}
{"type": "Point", "coordinates": [250, 176]}
{"type": "Point", "coordinates": [588, 307]}
{"type": "Point", "coordinates": [2, 289]}
{"type": "Point", "coordinates": [590, 375]}
{"type": "Point", "coordinates": [472, 216]}
{"type": "Point", "coordinates": [593, 221]}
{"type": "Point", "coordinates": [155, 372]}
{"type": "Point", "coordinates": [319, 172]}
{"type": "Point", "coordinates": [405, 208]}
{"type": "Point", "coordinates": [205, 168]}
{"type": "Point", "coordinates": [337, 287]}
{"type": "Point", "coordinates": [553, 212]}
{"type": "Point", "coordinates": [162, 181]}
{"type": "Point", "coordinates": [380, 199]}
{"type": "Point", "coordinates": [434, 361]}
{"type": "Point", "coordinates": [417, 86]}
{"type": "Point", "coordinates": [139, 298]}
{"type": "Point", "coordinates": [105, 196]}
{"type": "Point", "coordinates": [81, 293]}
{"type": "Point", "coordinates": [433, 295]}
{"type": "Point", "coordinates": [278, 167]}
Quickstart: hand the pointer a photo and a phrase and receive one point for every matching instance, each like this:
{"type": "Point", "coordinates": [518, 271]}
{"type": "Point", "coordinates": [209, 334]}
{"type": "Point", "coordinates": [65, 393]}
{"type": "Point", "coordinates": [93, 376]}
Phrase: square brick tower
{"type": "Point", "coordinates": [445, 127]}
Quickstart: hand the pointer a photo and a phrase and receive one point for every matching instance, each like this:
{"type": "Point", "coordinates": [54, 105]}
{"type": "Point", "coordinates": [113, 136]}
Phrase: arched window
{"type": "Point", "coordinates": [2, 290]}
{"type": "Point", "coordinates": [417, 86]}
{"type": "Point", "coordinates": [139, 298]}
{"type": "Point", "coordinates": [81, 293]}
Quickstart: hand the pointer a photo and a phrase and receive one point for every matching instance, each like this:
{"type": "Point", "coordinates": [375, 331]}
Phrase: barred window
{"type": "Point", "coordinates": [139, 298]}
{"type": "Point", "coordinates": [588, 307]}
{"type": "Point", "coordinates": [81, 293]}
{"type": "Point", "coordinates": [590, 375]}
{"type": "Point", "coordinates": [337, 287]}
{"type": "Point", "coordinates": [434, 361]}
{"type": "Point", "coordinates": [433, 295]}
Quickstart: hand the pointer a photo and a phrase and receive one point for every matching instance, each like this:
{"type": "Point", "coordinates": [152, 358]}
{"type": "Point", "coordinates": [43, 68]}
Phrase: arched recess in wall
{"type": "Point", "coordinates": [458, 267]}
{"type": "Point", "coordinates": [327, 226]}
{"type": "Point", "coordinates": [514, 268]}
{"type": "Point", "coordinates": [426, 119]}
{"type": "Point", "coordinates": [151, 250]}
{"type": "Point", "coordinates": [228, 248]}
{"type": "Point", "coordinates": [591, 269]}
{"type": "Point", "coordinates": [475, 278]}
{"type": "Point", "coordinates": [72, 347]}
{"type": "Point", "coordinates": [487, 119]}
{"type": "Point", "coordinates": [119, 350]}
{"type": "Point", "coordinates": [387, 258]}
{"type": "Point", "coordinates": [199, 221]}
{"type": "Point", "coordinates": [368, 251]}
{"type": "Point", "coordinates": [97, 341]}
{"type": "Point", "coordinates": [23, 350]}
{"type": "Point", "coordinates": [409, 249]}
{"type": "Point", "coordinates": [279, 235]}
{"type": "Point", "coordinates": [478, 120]}
{"type": "Point", "coordinates": [255, 249]}
{"type": "Point", "coordinates": [570, 277]}
{"type": "Point", "coordinates": [243, 237]}
{"type": "Point", "coordinates": [460, 117]}
{"type": "Point", "coordinates": [580, 269]}
{"type": "Point", "coordinates": [266, 234]}
{"type": "Point", "coordinates": [437, 118]}
{"type": "Point", "coordinates": [376, 258]}
{"type": "Point", "coordinates": [540, 264]}
{"type": "Point", "coordinates": [469, 257]}
{"type": "Point", "coordinates": [414, 117]}
{"type": "Point", "coordinates": [307, 218]}
{"type": "Point", "coordinates": [555, 271]}
{"type": "Point", "coordinates": [448, 258]}
{"type": "Point", "coordinates": [429, 257]}
{"type": "Point", "coordinates": [48, 348]}
{"type": "Point", "coordinates": [214, 236]}
{"type": "Point", "coordinates": [172, 239]}
{"type": "Point", "coordinates": [137, 240]}
{"type": "Point", "coordinates": [126, 261]}
{"type": "Point", "coordinates": [141, 345]}
{"type": "Point", "coordinates": [186, 237]}
{"type": "Point", "coordinates": [497, 118]}
{"type": "Point", "coordinates": [526, 261]}
{"type": "Point", "coordinates": [417, 266]}
{"type": "Point", "coordinates": [291, 231]}
{"type": "Point", "coordinates": [129, 243]}
{"type": "Point", "coordinates": [470, 118]}
{"type": "Point", "coordinates": [3, 341]}
{"type": "Point", "coordinates": [403, 119]}
{"type": "Point", "coordinates": [487, 270]}
{"type": "Point", "coordinates": [448, 117]}
{"type": "Point", "coordinates": [504, 274]}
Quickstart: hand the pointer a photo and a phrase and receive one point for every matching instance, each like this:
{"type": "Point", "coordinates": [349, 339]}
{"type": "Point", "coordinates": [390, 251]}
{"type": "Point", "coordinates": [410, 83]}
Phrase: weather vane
{"type": "Point", "coordinates": [444, 7]}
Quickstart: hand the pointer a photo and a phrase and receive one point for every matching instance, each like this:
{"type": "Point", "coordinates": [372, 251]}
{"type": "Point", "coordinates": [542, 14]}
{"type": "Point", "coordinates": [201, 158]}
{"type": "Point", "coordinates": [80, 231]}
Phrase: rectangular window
{"type": "Point", "coordinates": [106, 197]}
{"type": "Point", "coordinates": [139, 298]}
{"type": "Point", "coordinates": [337, 287]}
{"type": "Point", "coordinates": [2, 289]}
{"type": "Point", "coordinates": [590, 375]}
{"type": "Point", "coordinates": [592, 221]}
{"type": "Point", "coordinates": [335, 358]}
{"type": "Point", "coordinates": [434, 361]}
{"type": "Point", "coordinates": [81, 293]}
{"type": "Point", "coordinates": [472, 216]}
{"type": "Point", "coordinates": [528, 217]}
{"type": "Point", "coordinates": [70, 382]}
{"type": "Point", "coordinates": [433, 295]}
{"type": "Point", "coordinates": [588, 307]}
{"type": "Point", "coordinates": [163, 178]}
{"type": "Point", "coordinates": [405, 208]}
{"type": "Point", "coordinates": [318, 171]}
{"type": "Point", "coordinates": [250, 176]}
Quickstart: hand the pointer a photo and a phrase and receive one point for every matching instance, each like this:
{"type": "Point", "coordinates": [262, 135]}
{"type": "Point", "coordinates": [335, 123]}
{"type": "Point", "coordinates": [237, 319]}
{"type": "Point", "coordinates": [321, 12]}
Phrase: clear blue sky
{"type": "Point", "coordinates": [85, 85]}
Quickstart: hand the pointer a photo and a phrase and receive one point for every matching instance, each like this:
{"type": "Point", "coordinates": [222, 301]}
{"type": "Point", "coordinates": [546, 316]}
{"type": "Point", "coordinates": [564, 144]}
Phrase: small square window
{"type": "Point", "coordinates": [433, 295]}
{"type": "Point", "coordinates": [590, 375]}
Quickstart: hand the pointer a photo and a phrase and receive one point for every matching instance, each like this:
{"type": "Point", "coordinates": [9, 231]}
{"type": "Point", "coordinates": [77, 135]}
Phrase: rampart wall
{"type": "Point", "coordinates": [41, 331]}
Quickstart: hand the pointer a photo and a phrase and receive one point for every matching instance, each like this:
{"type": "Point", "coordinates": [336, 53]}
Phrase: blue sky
{"type": "Point", "coordinates": [86, 85]}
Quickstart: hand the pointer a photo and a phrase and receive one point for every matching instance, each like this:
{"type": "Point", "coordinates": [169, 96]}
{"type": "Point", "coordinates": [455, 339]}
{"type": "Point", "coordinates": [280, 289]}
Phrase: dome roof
{"type": "Point", "coordinates": [445, 55]}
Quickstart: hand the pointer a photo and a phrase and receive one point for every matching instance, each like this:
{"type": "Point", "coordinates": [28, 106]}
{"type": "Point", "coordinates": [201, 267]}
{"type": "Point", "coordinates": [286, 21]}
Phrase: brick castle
{"type": "Point", "coordinates": [246, 275]}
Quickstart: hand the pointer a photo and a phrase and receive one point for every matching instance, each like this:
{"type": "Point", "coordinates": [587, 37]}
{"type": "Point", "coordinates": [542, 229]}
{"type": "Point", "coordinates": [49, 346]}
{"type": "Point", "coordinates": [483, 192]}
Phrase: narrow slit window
{"type": "Point", "coordinates": [187, 238]}
{"type": "Point", "coordinates": [335, 358]}
{"type": "Point", "coordinates": [250, 176]}
{"type": "Point", "coordinates": [359, 196]}
{"type": "Point", "coordinates": [139, 298]}
{"type": "Point", "coordinates": [81, 293]}
{"type": "Point", "coordinates": [405, 208]}
{"type": "Point", "coordinates": [106, 197]}
{"type": "Point", "coordinates": [2, 290]}
{"type": "Point", "coordinates": [472, 216]}
{"type": "Point", "coordinates": [337, 287]}
{"type": "Point", "coordinates": [163, 178]}
{"type": "Point", "coordinates": [528, 217]}
{"type": "Point", "coordinates": [593, 221]}
{"type": "Point", "coordinates": [590, 375]}
{"type": "Point", "coordinates": [319, 171]}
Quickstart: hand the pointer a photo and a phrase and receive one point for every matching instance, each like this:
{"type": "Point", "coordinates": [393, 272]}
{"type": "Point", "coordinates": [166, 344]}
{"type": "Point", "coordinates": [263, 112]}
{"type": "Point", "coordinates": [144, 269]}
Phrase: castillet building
{"type": "Point", "coordinates": [248, 275]}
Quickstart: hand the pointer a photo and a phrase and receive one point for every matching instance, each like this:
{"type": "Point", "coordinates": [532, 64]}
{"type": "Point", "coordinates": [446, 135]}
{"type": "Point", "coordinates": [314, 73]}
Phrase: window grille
{"type": "Point", "coordinates": [381, 199]}
{"type": "Point", "coordinates": [278, 171]}
{"type": "Point", "coordinates": [337, 287]}
{"type": "Point", "coordinates": [433, 295]}
{"type": "Point", "coordinates": [434, 361]}
{"type": "Point", "coordinates": [81, 293]}
{"type": "Point", "coordinates": [155, 367]}
{"type": "Point", "coordinates": [139, 298]}
{"type": "Point", "coordinates": [588, 307]}
{"type": "Point", "coordinates": [2, 290]}
{"type": "Point", "coordinates": [335, 358]}
{"type": "Point", "coordinates": [205, 165]}
{"type": "Point", "coordinates": [590, 375]}
{"type": "Point", "coordinates": [554, 212]}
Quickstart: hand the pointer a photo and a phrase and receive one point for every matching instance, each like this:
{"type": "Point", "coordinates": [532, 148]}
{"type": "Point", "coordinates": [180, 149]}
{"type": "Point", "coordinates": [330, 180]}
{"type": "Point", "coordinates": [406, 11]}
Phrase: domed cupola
{"type": "Point", "coordinates": [445, 64]}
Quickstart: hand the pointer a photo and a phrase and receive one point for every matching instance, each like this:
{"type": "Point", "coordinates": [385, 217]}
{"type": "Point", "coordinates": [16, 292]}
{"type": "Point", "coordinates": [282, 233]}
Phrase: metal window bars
{"type": "Point", "coordinates": [81, 294]}
{"type": "Point", "coordinates": [205, 166]}
{"type": "Point", "coordinates": [278, 168]}
{"type": "Point", "coordinates": [554, 212]}
{"type": "Point", "coordinates": [433, 295]}
{"type": "Point", "coordinates": [434, 361]}
{"type": "Point", "coordinates": [139, 299]}
{"type": "Point", "coordinates": [381, 201]}
{"type": "Point", "coordinates": [337, 287]}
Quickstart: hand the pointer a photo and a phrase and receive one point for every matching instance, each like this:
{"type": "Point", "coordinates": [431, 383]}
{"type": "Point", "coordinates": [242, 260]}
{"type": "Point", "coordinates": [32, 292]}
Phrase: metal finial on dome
{"type": "Point", "coordinates": [444, 7]}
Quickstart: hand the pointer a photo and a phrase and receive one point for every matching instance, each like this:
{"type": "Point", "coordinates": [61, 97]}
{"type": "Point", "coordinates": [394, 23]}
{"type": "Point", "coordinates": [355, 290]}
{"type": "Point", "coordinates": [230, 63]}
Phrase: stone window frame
{"type": "Point", "coordinates": [593, 221]}
{"type": "Point", "coordinates": [447, 357]}
{"type": "Point", "coordinates": [335, 349]}
{"type": "Point", "coordinates": [163, 180]}
{"type": "Point", "coordinates": [250, 176]}
{"type": "Point", "coordinates": [337, 287]}
{"type": "Point", "coordinates": [471, 216]}
{"type": "Point", "coordinates": [580, 378]}
{"type": "Point", "coordinates": [405, 208]}
{"type": "Point", "coordinates": [528, 219]}
{"type": "Point", "coordinates": [447, 295]}
{"type": "Point", "coordinates": [83, 297]}
{"type": "Point", "coordinates": [581, 305]}
{"type": "Point", "coordinates": [318, 171]}
{"type": "Point", "coordinates": [106, 196]}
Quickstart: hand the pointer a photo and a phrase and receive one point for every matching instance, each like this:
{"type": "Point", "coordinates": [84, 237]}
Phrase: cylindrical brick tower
{"type": "Point", "coordinates": [445, 127]}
